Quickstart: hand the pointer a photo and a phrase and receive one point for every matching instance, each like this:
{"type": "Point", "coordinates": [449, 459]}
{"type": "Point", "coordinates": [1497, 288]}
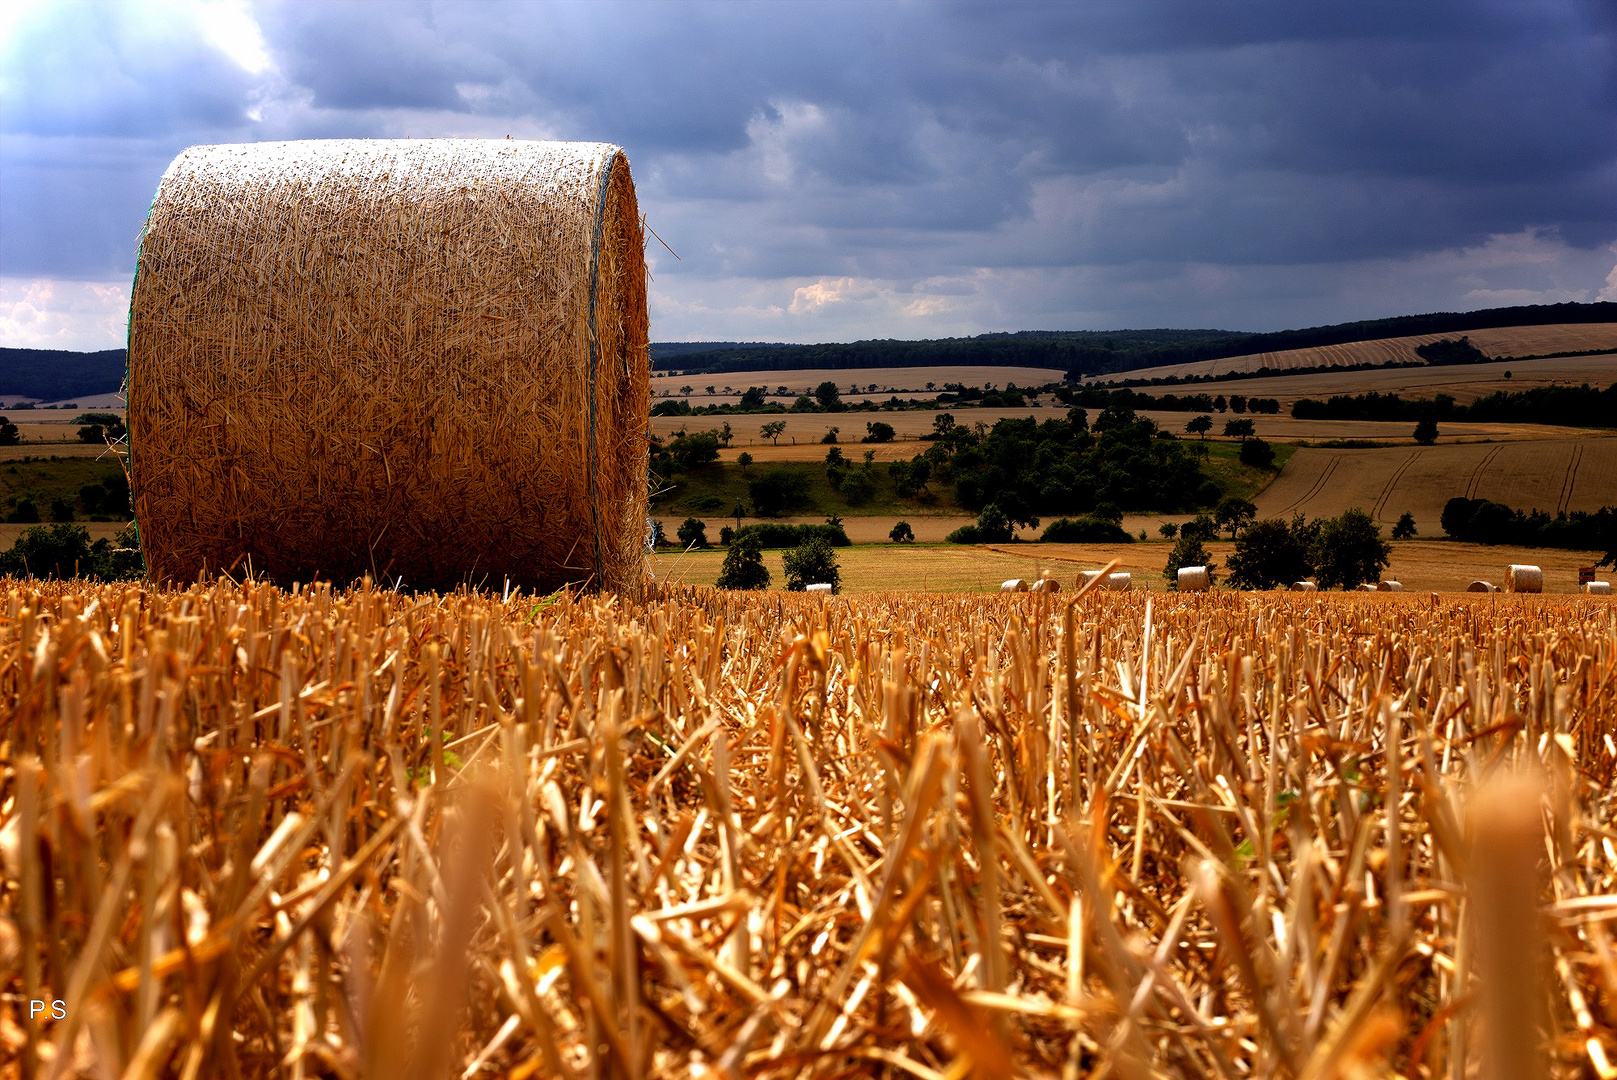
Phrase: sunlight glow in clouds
{"type": "Point", "coordinates": [83, 316]}
{"type": "Point", "coordinates": [229, 26]}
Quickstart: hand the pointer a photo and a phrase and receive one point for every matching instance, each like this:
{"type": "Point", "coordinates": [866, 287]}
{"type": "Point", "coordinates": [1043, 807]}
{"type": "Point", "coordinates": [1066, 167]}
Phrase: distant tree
{"type": "Point", "coordinates": [725, 435]}
{"type": "Point", "coordinates": [773, 431]}
{"type": "Point", "coordinates": [1241, 429]}
{"type": "Point", "coordinates": [26, 512]}
{"type": "Point", "coordinates": [1426, 431]}
{"type": "Point", "coordinates": [902, 533]}
{"type": "Point", "coordinates": [686, 390]}
{"type": "Point", "coordinates": [1108, 511]}
{"type": "Point", "coordinates": [878, 431]}
{"type": "Point", "coordinates": [744, 564]}
{"type": "Point", "coordinates": [943, 423]}
{"type": "Point", "coordinates": [1187, 551]}
{"type": "Point", "coordinates": [1233, 512]}
{"type": "Point", "coordinates": [1349, 551]}
{"type": "Point", "coordinates": [693, 450]}
{"type": "Point", "coordinates": [1405, 529]}
{"type": "Point", "coordinates": [834, 458]}
{"type": "Point", "coordinates": [829, 397]}
{"type": "Point", "coordinates": [830, 435]}
{"type": "Point", "coordinates": [8, 433]}
{"type": "Point", "coordinates": [744, 459]}
{"type": "Point", "coordinates": [1079, 419]}
{"type": "Point", "coordinates": [90, 433]}
{"type": "Point", "coordinates": [993, 526]}
{"type": "Point", "coordinates": [1168, 529]}
{"type": "Point", "coordinates": [783, 391]}
{"type": "Point", "coordinates": [1257, 453]}
{"type": "Point", "coordinates": [692, 533]}
{"type": "Point", "coordinates": [932, 385]}
{"type": "Point", "coordinates": [1199, 425]}
{"type": "Point", "coordinates": [1267, 554]}
{"type": "Point", "coordinates": [753, 398]}
{"type": "Point", "coordinates": [711, 391]}
{"type": "Point", "coordinates": [1201, 527]}
{"type": "Point", "coordinates": [1507, 375]}
{"type": "Point", "coordinates": [813, 563]}
{"type": "Point", "coordinates": [1238, 403]}
{"type": "Point", "coordinates": [870, 457]}
{"type": "Point", "coordinates": [61, 509]}
{"type": "Point", "coordinates": [1220, 404]}
{"type": "Point", "coordinates": [778, 490]}
{"type": "Point", "coordinates": [727, 536]}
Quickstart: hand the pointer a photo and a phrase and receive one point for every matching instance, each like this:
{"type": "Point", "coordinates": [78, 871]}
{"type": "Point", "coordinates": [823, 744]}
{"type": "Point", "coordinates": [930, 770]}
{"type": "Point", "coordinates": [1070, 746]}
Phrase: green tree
{"type": "Point", "coordinates": [829, 397]}
{"type": "Point", "coordinates": [744, 564]}
{"type": "Point", "coordinates": [753, 398]}
{"type": "Point", "coordinates": [773, 431]}
{"type": "Point", "coordinates": [902, 533]}
{"type": "Point", "coordinates": [1257, 452]}
{"type": "Point", "coordinates": [878, 431]}
{"type": "Point", "coordinates": [1201, 527]}
{"type": "Point", "coordinates": [1187, 551]}
{"type": "Point", "coordinates": [1199, 425]}
{"type": "Point", "coordinates": [26, 512]}
{"type": "Point", "coordinates": [1267, 554]}
{"type": "Point", "coordinates": [1242, 429]}
{"type": "Point", "coordinates": [61, 509]}
{"type": "Point", "coordinates": [830, 435]}
{"type": "Point", "coordinates": [1426, 431]}
{"type": "Point", "coordinates": [1168, 529]}
{"type": "Point", "coordinates": [1233, 512]}
{"type": "Point", "coordinates": [943, 423]}
{"type": "Point", "coordinates": [692, 532]}
{"type": "Point", "coordinates": [744, 460]}
{"type": "Point", "coordinates": [813, 563]}
{"type": "Point", "coordinates": [692, 451]}
{"type": "Point", "coordinates": [1405, 529]}
{"type": "Point", "coordinates": [8, 433]}
{"type": "Point", "coordinates": [1349, 551]}
{"type": "Point", "coordinates": [778, 490]}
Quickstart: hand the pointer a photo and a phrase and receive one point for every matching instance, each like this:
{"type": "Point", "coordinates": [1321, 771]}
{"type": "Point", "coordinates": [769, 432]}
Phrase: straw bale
{"type": "Point", "coordinates": [1045, 584]}
{"type": "Point", "coordinates": [1597, 588]}
{"type": "Point", "coordinates": [1118, 582]}
{"type": "Point", "coordinates": [818, 587]}
{"type": "Point", "coordinates": [1013, 585]}
{"type": "Point", "coordinates": [1366, 587]}
{"type": "Point", "coordinates": [1389, 586]}
{"type": "Point", "coordinates": [1524, 578]}
{"type": "Point", "coordinates": [1482, 586]}
{"type": "Point", "coordinates": [1194, 579]}
{"type": "Point", "coordinates": [410, 358]}
{"type": "Point", "coordinates": [1086, 576]}
{"type": "Point", "coordinates": [1304, 586]}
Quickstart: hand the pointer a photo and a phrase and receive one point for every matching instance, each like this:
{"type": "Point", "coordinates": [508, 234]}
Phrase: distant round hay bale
{"type": "Point", "coordinates": [1304, 586]}
{"type": "Point", "coordinates": [1087, 576]}
{"type": "Point", "coordinates": [1389, 586]}
{"type": "Point", "coordinates": [1045, 584]}
{"type": "Point", "coordinates": [1524, 578]}
{"type": "Point", "coordinates": [1194, 579]}
{"type": "Point", "coordinates": [1482, 586]}
{"type": "Point", "coordinates": [1597, 588]}
{"type": "Point", "coordinates": [818, 587]}
{"type": "Point", "coordinates": [1118, 582]}
{"type": "Point", "coordinates": [1013, 585]}
{"type": "Point", "coordinates": [1366, 587]}
{"type": "Point", "coordinates": [420, 358]}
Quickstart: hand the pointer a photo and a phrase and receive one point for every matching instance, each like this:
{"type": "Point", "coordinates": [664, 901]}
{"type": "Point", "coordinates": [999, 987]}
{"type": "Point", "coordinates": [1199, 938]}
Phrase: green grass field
{"type": "Point", "coordinates": [47, 478]}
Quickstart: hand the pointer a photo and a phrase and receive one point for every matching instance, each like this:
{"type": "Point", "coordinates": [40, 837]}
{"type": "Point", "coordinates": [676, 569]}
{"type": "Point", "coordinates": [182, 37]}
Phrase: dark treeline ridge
{"type": "Point", "coordinates": [1094, 352]}
{"type": "Point", "coordinates": [1575, 406]}
{"type": "Point", "coordinates": [57, 374]}
{"type": "Point", "coordinates": [1482, 521]}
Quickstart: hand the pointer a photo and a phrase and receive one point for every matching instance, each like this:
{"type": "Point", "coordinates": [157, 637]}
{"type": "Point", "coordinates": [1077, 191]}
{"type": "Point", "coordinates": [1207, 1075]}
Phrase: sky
{"type": "Point", "coordinates": [838, 171]}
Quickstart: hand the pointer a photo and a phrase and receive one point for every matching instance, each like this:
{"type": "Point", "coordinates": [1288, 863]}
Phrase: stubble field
{"type": "Point", "coordinates": [688, 833]}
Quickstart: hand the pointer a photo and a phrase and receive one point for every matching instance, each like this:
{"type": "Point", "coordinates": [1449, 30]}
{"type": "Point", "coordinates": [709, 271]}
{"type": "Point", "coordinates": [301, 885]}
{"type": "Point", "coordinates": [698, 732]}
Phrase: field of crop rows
{"type": "Point", "coordinates": [249, 832]}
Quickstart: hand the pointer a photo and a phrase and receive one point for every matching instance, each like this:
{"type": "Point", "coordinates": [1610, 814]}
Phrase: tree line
{"type": "Point", "coordinates": [1576, 406]}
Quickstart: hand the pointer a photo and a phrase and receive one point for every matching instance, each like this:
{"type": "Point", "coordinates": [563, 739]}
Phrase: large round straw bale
{"type": "Point", "coordinates": [1013, 585]}
{"type": "Point", "coordinates": [1118, 582]}
{"type": "Point", "coordinates": [1389, 586]}
{"type": "Point", "coordinates": [1523, 578]}
{"type": "Point", "coordinates": [1045, 584]}
{"type": "Point", "coordinates": [416, 358]}
{"type": "Point", "coordinates": [1194, 579]}
{"type": "Point", "coordinates": [1304, 586]}
{"type": "Point", "coordinates": [1597, 588]}
{"type": "Point", "coordinates": [1482, 586]}
{"type": "Point", "coordinates": [1087, 576]}
{"type": "Point", "coordinates": [1365, 586]}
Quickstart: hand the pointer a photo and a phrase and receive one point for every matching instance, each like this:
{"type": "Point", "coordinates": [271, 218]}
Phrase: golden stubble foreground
{"type": "Point", "coordinates": [255, 833]}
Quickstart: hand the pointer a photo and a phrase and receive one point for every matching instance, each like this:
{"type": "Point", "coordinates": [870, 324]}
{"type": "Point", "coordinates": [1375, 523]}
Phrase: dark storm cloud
{"type": "Point", "coordinates": [1090, 151]}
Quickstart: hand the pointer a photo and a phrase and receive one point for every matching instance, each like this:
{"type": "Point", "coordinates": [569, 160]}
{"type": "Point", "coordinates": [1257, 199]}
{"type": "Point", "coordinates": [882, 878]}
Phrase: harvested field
{"type": "Point", "coordinates": [1443, 566]}
{"type": "Point", "coordinates": [1502, 341]}
{"type": "Point", "coordinates": [250, 832]}
{"type": "Point", "coordinates": [807, 428]}
{"type": "Point", "coordinates": [1550, 475]}
{"type": "Point", "coordinates": [889, 381]}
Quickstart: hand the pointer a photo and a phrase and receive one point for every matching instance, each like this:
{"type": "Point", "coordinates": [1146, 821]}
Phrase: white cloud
{"type": "Point", "coordinates": [229, 26]}
{"type": "Point", "coordinates": [1610, 291]}
{"type": "Point", "coordinates": [44, 313]}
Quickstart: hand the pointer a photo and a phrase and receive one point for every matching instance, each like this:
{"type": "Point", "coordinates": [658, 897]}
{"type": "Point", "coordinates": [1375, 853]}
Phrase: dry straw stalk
{"type": "Point", "coordinates": [252, 832]}
{"type": "Point", "coordinates": [406, 358]}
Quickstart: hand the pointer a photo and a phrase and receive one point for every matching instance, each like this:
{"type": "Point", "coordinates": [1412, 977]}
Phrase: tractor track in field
{"type": "Point", "coordinates": [1475, 480]}
{"type": "Point", "coordinates": [1318, 485]}
{"type": "Point", "coordinates": [1392, 482]}
{"type": "Point", "coordinates": [1571, 479]}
